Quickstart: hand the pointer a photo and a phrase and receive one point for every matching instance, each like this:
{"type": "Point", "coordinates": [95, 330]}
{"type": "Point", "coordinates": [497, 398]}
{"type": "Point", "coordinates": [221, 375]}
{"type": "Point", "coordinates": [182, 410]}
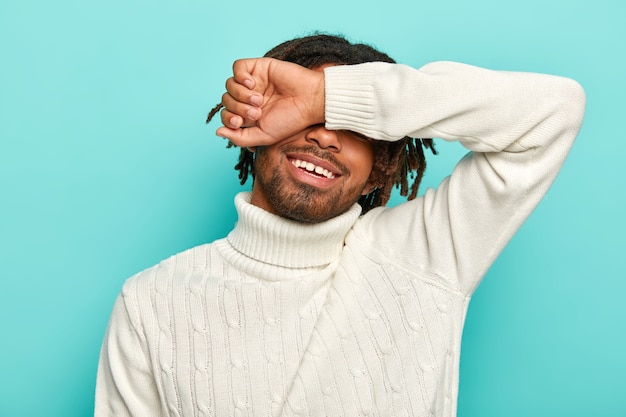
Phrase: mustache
{"type": "Point", "coordinates": [318, 153]}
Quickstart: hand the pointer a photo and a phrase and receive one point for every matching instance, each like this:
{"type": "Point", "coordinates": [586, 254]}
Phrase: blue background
{"type": "Point", "coordinates": [107, 167]}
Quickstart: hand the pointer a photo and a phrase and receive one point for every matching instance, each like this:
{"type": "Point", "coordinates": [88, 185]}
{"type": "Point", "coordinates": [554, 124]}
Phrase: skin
{"type": "Point", "coordinates": [277, 109]}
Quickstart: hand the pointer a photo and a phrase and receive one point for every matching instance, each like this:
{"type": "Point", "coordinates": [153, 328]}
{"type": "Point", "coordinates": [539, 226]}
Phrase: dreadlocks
{"type": "Point", "coordinates": [395, 163]}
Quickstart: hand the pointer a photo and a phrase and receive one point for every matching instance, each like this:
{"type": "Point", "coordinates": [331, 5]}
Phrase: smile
{"type": "Point", "coordinates": [312, 168]}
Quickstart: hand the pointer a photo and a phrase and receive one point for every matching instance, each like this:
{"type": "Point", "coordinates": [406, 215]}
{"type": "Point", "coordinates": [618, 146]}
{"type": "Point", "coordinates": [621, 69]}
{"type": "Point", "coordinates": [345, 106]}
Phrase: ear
{"type": "Point", "coordinates": [369, 187]}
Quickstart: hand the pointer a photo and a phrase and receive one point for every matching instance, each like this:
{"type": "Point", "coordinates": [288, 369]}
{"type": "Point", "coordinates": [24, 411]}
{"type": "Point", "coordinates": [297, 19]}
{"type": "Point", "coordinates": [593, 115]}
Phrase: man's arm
{"type": "Point", "coordinates": [125, 384]}
{"type": "Point", "coordinates": [519, 127]}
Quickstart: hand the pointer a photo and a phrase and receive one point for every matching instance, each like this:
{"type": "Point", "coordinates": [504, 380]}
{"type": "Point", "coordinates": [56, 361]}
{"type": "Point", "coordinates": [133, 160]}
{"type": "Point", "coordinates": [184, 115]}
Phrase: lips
{"type": "Point", "coordinates": [312, 168]}
{"type": "Point", "coordinates": [316, 157]}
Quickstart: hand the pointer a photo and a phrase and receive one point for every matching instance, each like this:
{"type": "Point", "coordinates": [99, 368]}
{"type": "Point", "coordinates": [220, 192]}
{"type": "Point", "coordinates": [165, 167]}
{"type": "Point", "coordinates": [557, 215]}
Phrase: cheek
{"type": "Point", "coordinates": [363, 159]}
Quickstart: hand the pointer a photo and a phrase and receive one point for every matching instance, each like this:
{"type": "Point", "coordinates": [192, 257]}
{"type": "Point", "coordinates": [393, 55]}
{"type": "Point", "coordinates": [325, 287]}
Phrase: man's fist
{"type": "Point", "coordinates": [268, 100]}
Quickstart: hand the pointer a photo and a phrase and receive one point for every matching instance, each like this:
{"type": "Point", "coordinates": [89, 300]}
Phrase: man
{"type": "Point", "coordinates": [310, 307]}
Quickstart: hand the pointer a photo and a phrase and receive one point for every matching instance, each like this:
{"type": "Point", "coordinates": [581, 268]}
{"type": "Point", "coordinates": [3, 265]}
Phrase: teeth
{"type": "Point", "coordinates": [312, 168]}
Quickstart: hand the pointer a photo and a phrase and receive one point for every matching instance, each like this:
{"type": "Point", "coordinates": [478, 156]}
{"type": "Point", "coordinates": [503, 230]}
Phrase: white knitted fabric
{"type": "Point", "coordinates": [360, 315]}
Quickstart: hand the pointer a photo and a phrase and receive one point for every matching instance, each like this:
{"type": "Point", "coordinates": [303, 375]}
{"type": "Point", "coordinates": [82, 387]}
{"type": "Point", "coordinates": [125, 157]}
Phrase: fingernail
{"type": "Point", "coordinates": [256, 99]}
{"type": "Point", "coordinates": [249, 84]}
{"type": "Point", "coordinates": [254, 113]}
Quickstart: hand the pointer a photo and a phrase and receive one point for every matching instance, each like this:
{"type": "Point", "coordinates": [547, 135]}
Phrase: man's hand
{"type": "Point", "coordinates": [268, 100]}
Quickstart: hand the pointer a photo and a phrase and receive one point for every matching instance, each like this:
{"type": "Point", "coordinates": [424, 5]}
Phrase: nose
{"type": "Point", "coordinates": [324, 138]}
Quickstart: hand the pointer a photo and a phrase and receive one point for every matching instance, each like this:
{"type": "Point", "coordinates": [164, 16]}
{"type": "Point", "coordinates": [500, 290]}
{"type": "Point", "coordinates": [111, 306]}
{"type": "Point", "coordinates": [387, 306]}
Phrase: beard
{"type": "Point", "coordinates": [303, 202]}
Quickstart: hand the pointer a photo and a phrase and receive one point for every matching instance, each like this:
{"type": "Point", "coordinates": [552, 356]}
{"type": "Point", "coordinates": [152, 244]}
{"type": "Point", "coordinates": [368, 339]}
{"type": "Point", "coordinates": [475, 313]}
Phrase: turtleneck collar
{"type": "Point", "coordinates": [280, 242]}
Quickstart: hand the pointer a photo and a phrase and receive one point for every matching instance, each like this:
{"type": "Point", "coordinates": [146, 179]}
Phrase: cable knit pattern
{"type": "Point", "coordinates": [359, 315]}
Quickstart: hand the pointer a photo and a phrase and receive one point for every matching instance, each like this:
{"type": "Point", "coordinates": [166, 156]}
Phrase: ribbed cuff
{"type": "Point", "coordinates": [349, 97]}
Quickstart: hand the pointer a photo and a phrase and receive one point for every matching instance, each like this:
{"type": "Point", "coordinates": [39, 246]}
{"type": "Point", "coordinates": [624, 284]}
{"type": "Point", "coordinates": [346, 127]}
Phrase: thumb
{"type": "Point", "coordinates": [245, 137]}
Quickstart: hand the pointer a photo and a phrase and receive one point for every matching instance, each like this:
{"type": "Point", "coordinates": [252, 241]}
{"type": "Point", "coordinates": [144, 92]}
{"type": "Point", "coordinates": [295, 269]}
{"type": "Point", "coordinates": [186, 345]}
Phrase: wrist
{"type": "Point", "coordinates": [319, 101]}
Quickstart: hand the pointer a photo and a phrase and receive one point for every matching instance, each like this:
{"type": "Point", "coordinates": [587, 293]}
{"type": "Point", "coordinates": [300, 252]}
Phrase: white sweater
{"type": "Point", "coordinates": [360, 315]}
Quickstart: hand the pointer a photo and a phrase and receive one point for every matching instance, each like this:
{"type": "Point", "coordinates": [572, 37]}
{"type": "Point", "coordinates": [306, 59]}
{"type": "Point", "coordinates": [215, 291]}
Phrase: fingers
{"type": "Point", "coordinates": [243, 94]}
{"type": "Point", "coordinates": [237, 114]}
{"type": "Point", "coordinates": [243, 103]}
{"type": "Point", "coordinates": [248, 137]}
{"type": "Point", "coordinates": [232, 120]}
{"type": "Point", "coordinates": [240, 105]}
{"type": "Point", "coordinates": [252, 72]}
{"type": "Point", "coordinates": [242, 72]}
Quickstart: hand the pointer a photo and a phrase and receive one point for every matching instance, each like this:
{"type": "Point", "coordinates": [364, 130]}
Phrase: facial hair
{"type": "Point", "coordinates": [303, 202]}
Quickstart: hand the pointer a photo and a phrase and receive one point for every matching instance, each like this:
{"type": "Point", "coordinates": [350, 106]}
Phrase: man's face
{"type": "Point", "coordinates": [314, 175]}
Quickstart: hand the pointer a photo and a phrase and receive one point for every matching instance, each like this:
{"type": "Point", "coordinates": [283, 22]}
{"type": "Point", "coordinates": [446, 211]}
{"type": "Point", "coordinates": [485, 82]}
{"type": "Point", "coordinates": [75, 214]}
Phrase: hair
{"type": "Point", "coordinates": [399, 163]}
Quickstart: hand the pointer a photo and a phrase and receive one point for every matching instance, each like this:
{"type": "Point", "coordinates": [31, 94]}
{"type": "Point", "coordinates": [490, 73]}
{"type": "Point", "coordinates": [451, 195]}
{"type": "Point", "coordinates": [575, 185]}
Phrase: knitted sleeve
{"type": "Point", "coordinates": [519, 127]}
{"type": "Point", "coordinates": [125, 383]}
